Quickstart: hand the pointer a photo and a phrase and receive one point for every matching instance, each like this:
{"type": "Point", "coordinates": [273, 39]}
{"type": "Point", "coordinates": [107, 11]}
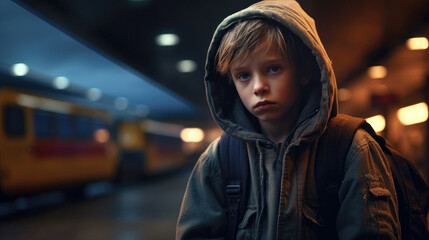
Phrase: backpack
{"type": "Point", "coordinates": [411, 189]}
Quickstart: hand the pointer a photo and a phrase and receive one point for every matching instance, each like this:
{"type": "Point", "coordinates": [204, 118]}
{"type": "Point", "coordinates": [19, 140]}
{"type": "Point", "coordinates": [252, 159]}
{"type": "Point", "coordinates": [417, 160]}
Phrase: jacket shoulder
{"type": "Point", "coordinates": [208, 163]}
{"type": "Point", "coordinates": [363, 141]}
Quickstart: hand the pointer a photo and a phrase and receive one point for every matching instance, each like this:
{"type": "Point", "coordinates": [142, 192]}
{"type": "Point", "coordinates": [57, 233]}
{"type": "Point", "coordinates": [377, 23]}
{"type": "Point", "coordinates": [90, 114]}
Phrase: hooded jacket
{"type": "Point", "coordinates": [282, 203]}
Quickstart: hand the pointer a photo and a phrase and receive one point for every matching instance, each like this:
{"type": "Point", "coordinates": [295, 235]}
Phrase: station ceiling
{"type": "Point", "coordinates": [110, 44]}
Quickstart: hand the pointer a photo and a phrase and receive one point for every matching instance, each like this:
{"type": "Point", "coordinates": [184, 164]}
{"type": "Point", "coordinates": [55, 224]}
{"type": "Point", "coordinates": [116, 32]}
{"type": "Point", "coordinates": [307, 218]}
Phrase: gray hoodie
{"type": "Point", "coordinates": [282, 202]}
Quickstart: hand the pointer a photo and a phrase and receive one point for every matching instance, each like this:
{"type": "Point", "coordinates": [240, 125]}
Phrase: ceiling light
{"type": "Point", "coordinates": [186, 66]}
{"type": "Point", "coordinates": [94, 94]}
{"type": "Point", "coordinates": [376, 72]}
{"type": "Point", "coordinates": [19, 69]}
{"type": "Point", "coordinates": [378, 122]}
{"type": "Point", "coordinates": [61, 82]}
{"type": "Point", "coordinates": [121, 103]}
{"type": "Point", "coordinates": [417, 43]}
{"type": "Point", "coordinates": [413, 114]}
{"type": "Point", "coordinates": [167, 39]}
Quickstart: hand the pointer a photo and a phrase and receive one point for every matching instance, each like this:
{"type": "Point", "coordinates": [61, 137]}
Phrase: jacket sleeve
{"type": "Point", "coordinates": [369, 205]}
{"type": "Point", "coordinates": [202, 215]}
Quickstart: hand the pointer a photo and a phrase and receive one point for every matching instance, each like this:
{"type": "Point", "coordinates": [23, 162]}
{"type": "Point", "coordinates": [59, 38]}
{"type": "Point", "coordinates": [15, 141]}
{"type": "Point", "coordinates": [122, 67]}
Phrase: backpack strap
{"type": "Point", "coordinates": [332, 150]}
{"type": "Point", "coordinates": [235, 169]}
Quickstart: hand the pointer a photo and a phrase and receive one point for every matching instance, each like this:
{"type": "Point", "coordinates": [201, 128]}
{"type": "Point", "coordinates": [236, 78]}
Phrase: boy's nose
{"type": "Point", "coordinates": [260, 85]}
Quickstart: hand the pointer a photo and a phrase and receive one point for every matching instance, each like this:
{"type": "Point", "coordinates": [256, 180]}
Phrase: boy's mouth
{"type": "Point", "coordinates": [262, 104]}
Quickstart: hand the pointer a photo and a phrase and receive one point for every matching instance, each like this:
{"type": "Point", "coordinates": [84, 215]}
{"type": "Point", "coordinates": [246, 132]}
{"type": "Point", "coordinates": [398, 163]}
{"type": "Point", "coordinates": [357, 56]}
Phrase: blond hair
{"type": "Point", "coordinates": [244, 38]}
{"type": "Point", "coordinates": [252, 35]}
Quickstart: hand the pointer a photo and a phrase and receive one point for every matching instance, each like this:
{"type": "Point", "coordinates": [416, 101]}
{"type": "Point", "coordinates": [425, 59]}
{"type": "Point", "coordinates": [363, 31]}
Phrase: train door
{"type": "Point", "coordinates": [14, 147]}
{"type": "Point", "coordinates": [132, 154]}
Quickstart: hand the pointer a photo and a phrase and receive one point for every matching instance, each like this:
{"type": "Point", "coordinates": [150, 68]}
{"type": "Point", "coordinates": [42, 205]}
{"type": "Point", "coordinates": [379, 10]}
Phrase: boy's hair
{"type": "Point", "coordinates": [246, 37]}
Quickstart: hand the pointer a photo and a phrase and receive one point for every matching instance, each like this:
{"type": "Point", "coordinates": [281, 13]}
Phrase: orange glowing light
{"type": "Point", "coordinates": [376, 72]}
{"type": "Point", "coordinates": [413, 114]}
{"type": "Point", "coordinates": [378, 122]}
{"type": "Point", "coordinates": [418, 43]}
{"type": "Point", "coordinates": [101, 136]}
{"type": "Point", "coordinates": [192, 135]}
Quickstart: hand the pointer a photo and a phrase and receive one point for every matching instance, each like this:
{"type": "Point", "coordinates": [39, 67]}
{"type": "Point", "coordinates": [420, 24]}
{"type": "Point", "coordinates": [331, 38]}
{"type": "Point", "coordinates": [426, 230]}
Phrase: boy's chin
{"type": "Point", "coordinates": [267, 118]}
{"type": "Point", "coordinates": [272, 118]}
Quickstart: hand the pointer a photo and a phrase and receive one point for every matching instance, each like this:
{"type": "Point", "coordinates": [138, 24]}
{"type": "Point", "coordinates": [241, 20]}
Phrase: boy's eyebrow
{"type": "Point", "coordinates": [277, 59]}
{"type": "Point", "coordinates": [239, 64]}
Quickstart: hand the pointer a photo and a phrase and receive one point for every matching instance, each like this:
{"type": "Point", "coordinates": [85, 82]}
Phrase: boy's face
{"type": "Point", "coordinates": [265, 81]}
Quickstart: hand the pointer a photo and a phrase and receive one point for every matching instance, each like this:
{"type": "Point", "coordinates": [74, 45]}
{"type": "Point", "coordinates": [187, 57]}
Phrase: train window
{"type": "Point", "coordinates": [98, 124]}
{"type": "Point", "coordinates": [43, 124]}
{"type": "Point", "coordinates": [14, 121]}
{"type": "Point", "coordinates": [64, 126]}
{"type": "Point", "coordinates": [83, 127]}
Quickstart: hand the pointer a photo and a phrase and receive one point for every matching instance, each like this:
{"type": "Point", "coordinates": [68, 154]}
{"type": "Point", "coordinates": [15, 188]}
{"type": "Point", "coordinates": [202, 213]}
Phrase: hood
{"type": "Point", "coordinates": [223, 100]}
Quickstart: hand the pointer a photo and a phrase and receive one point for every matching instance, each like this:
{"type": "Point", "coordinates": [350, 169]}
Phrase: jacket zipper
{"type": "Point", "coordinates": [286, 143]}
{"type": "Point", "coordinates": [282, 155]}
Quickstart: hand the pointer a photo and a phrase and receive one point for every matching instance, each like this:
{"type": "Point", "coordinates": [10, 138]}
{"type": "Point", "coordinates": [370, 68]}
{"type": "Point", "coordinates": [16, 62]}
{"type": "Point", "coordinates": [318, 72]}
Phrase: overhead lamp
{"type": "Point", "coordinates": [167, 39]}
{"type": "Point", "coordinates": [378, 122]}
{"type": "Point", "coordinates": [19, 69]}
{"type": "Point", "coordinates": [121, 103]}
{"type": "Point", "coordinates": [413, 114]}
{"type": "Point", "coordinates": [94, 94]}
{"type": "Point", "coordinates": [186, 66]}
{"type": "Point", "coordinates": [417, 43]}
{"type": "Point", "coordinates": [377, 72]}
{"type": "Point", "coordinates": [192, 135]}
{"type": "Point", "coordinates": [61, 82]}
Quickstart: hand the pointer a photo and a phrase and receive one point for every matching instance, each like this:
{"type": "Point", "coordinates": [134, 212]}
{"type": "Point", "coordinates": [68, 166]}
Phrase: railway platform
{"type": "Point", "coordinates": [143, 211]}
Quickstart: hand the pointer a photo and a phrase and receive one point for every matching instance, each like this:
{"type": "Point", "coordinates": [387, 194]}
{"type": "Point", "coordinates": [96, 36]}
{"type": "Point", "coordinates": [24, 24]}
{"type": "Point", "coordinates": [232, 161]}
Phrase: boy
{"type": "Point", "coordinates": [270, 83]}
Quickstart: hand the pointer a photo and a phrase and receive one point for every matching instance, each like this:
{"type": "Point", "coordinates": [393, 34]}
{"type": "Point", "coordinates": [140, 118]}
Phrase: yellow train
{"type": "Point", "coordinates": [46, 143]}
{"type": "Point", "coordinates": [148, 148]}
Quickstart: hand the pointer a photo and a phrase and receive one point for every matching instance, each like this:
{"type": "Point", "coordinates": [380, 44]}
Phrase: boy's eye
{"type": "Point", "coordinates": [274, 69]}
{"type": "Point", "coordinates": [243, 76]}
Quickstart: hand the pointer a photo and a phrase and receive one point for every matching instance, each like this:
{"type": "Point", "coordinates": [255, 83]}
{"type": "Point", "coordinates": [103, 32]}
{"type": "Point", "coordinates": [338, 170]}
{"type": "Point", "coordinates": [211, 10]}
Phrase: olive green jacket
{"type": "Point", "coordinates": [283, 202]}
